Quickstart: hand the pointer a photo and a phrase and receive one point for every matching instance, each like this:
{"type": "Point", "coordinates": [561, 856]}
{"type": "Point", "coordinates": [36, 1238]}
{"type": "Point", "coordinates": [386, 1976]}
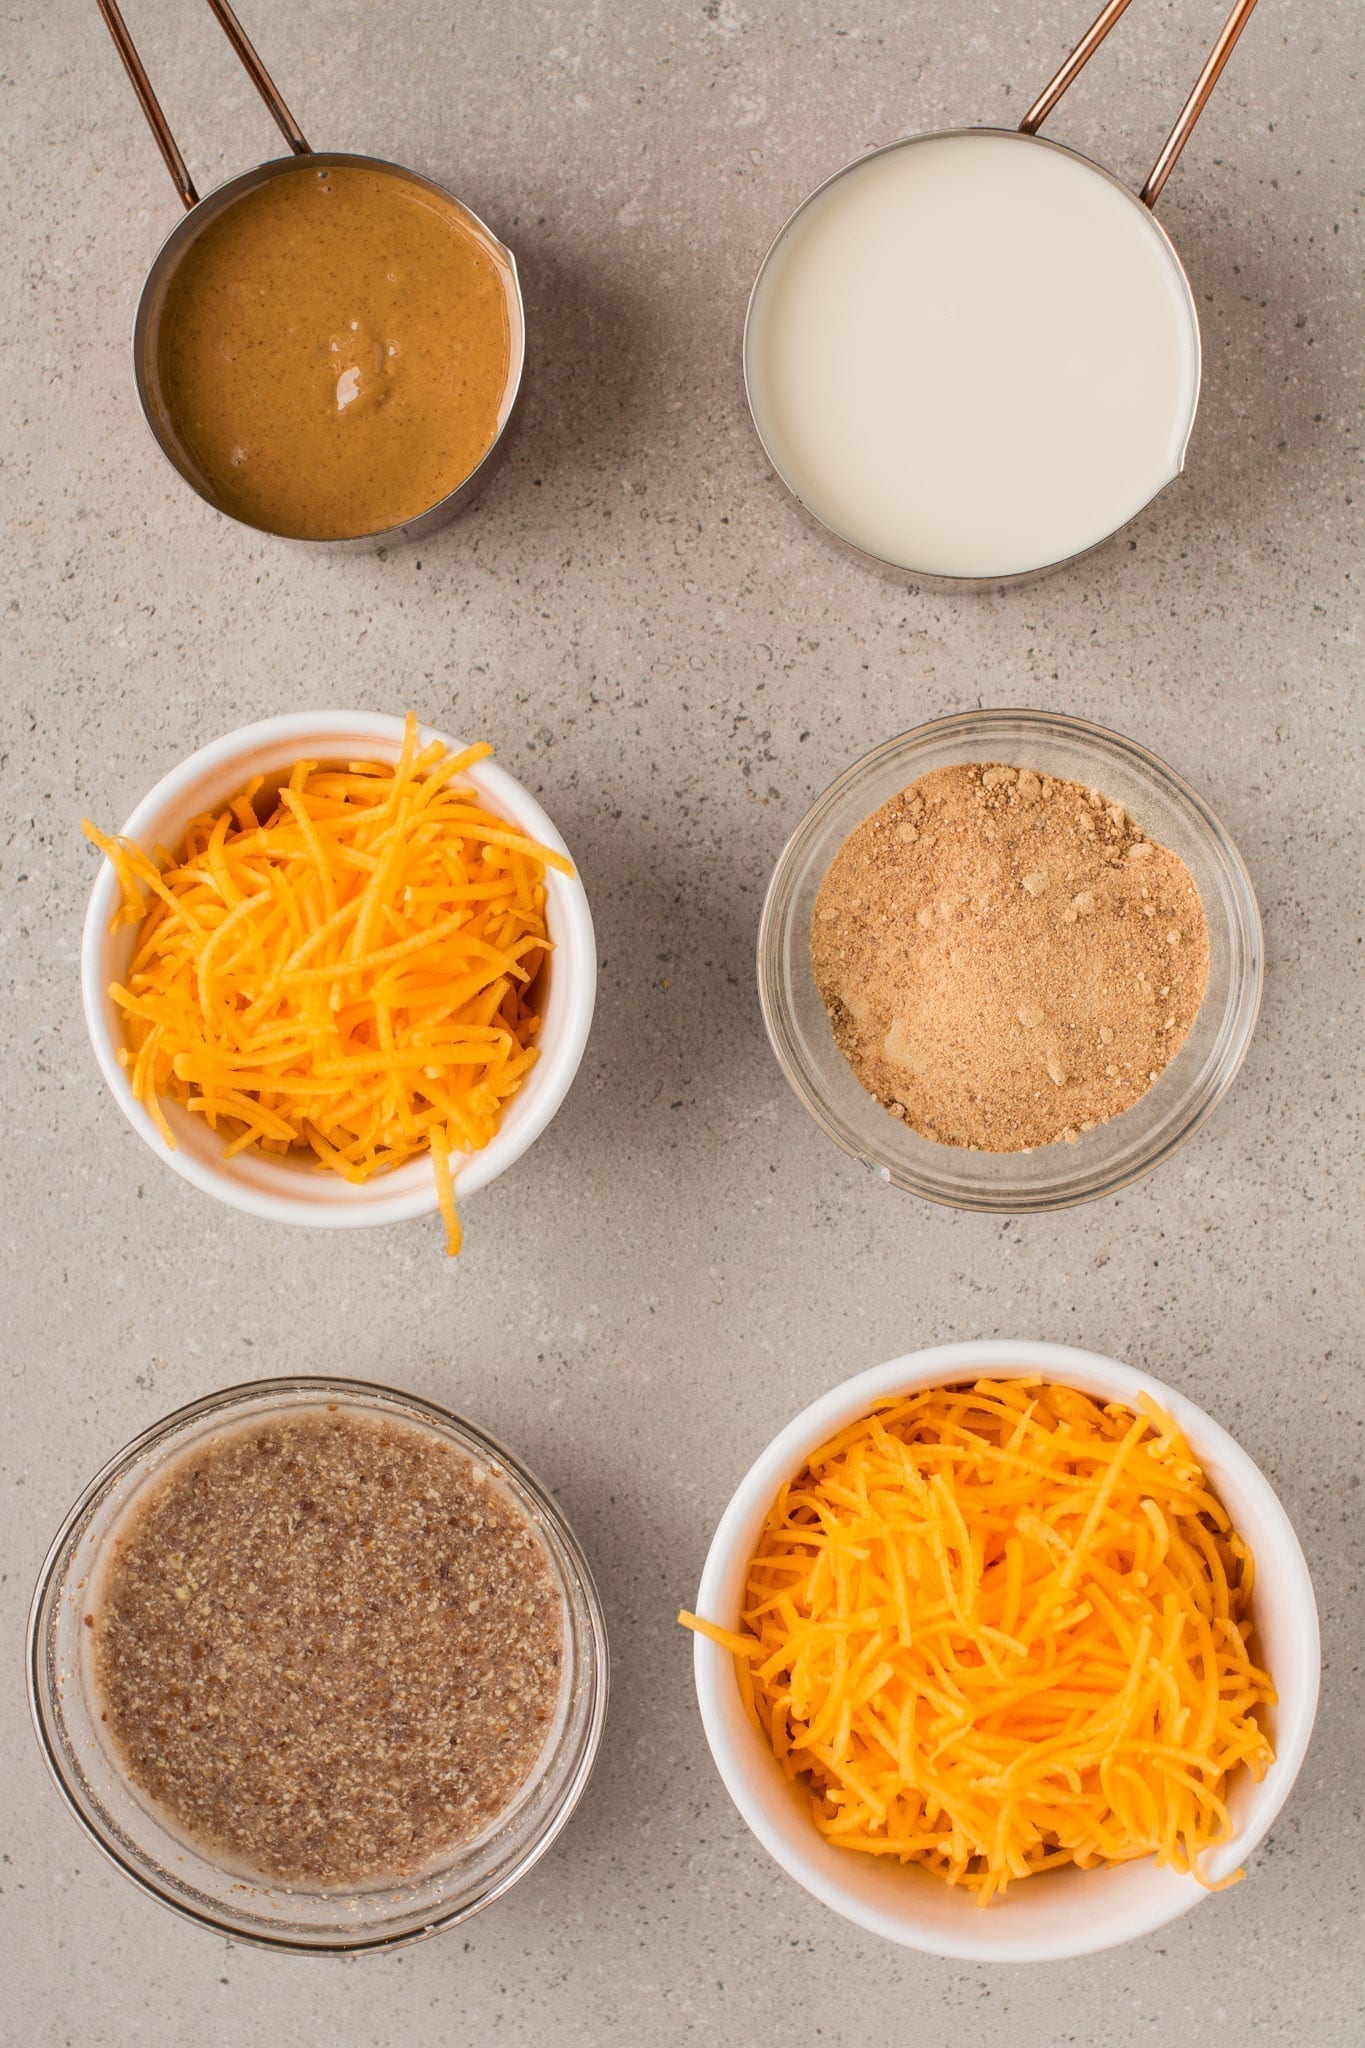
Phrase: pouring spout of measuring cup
{"type": "Point", "coordinates": [1189, 113]}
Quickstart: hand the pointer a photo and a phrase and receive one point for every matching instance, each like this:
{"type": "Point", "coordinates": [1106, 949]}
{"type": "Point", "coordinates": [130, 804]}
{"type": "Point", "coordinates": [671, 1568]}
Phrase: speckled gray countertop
{"type": "Point", "coordinates": [665, 652]}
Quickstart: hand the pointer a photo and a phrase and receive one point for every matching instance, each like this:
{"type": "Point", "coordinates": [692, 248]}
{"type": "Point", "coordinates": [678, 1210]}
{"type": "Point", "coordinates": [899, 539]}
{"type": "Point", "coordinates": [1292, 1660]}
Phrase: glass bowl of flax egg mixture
{"type": "Point", "coordinates": [318, 1665]}
{"type": "Point", "coordinates": [1010, 961]}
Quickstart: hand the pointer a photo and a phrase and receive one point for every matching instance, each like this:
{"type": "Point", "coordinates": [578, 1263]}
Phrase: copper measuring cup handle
{"type": "Point", "coordinates": [151, 105]}
{"type": "Point", "coordinates": [1189, 113]}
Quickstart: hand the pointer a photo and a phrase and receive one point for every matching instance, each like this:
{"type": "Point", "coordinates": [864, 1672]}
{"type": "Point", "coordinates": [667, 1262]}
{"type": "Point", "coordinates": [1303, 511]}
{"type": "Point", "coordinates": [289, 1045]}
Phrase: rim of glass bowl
{"type": "Point", "coordinates": [575, 1750]}
{"type": "Point", "coordinates": [1115, 1153]}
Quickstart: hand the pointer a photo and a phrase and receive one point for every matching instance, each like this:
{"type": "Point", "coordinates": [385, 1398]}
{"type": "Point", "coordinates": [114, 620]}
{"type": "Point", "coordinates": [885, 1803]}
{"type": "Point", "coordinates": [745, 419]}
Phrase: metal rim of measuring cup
{"type": "Point", "coordinates": [935, 578]}
{"type": "Point", "coordinates": [186, 232]}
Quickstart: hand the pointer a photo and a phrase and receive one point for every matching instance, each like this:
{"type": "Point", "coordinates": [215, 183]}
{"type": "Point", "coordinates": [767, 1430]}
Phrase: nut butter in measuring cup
{"type": "Point", "coordinates": [329, 347]}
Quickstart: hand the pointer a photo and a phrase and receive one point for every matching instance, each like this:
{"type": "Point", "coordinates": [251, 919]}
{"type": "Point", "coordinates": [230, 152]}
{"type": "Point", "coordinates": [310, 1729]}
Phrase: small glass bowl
{"type": "Point", "coordinates": [1131, 1143]}
{"type": "Point", "coordinates": [318, 1923]}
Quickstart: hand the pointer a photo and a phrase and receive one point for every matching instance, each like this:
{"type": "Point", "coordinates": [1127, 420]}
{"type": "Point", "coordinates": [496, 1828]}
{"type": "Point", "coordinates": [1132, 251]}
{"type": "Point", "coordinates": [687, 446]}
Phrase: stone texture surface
{"type": "Point", "coordinates": [663, 650]}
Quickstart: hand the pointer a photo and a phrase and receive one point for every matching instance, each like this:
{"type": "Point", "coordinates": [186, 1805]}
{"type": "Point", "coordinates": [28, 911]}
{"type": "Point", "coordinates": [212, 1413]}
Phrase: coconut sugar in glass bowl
{"type": "Point", "coordinates": [1131, 1143]}
{"type": "Point", "coordinates": [162, 1860]}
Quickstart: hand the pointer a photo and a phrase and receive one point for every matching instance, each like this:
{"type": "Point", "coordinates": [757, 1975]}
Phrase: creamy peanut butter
{"type": "Point", "coordinates": [335, 353]}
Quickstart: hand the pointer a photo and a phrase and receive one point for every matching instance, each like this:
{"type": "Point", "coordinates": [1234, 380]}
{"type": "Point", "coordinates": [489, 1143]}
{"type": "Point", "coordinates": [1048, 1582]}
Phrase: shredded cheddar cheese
{"type": "Point", "coordinates": [344, 965]}
{"type": "Point", "coordinates": [995, 1629]}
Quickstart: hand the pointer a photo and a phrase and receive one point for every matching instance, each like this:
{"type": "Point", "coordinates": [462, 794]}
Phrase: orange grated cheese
{"type": "Point", "coordinates": [998, 1628]}
{"type": "Point", "coordinates": [345, 965]}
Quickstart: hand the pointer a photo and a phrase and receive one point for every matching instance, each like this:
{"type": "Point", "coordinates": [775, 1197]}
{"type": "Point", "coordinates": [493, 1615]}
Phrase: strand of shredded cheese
{"type": "Point", "coordinates": [998, 1628]}
{"type": "Point", "coordinates": [345, 966]}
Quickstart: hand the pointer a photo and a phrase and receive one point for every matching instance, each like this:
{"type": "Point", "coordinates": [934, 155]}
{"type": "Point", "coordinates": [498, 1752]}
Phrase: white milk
{"type": "Point", "coordinates": [973, 355]}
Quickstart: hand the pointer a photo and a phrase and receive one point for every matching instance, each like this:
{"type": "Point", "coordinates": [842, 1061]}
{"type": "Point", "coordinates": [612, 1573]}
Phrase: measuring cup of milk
{"type": "Point", "coordinates": [975, 355]}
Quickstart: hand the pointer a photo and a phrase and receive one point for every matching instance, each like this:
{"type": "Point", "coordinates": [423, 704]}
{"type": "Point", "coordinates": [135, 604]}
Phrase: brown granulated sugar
{"type": "Point", "coordinates": [328, 1648]}
{"type": "Point", "coordinates": [1006, 960]}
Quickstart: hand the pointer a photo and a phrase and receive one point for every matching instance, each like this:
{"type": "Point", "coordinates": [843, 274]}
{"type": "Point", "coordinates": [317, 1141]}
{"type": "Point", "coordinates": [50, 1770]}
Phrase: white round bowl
{"type": "Point", "coordinates": [1066, 1912]}
{"type": "Point", "coordinates": [290, 1190]}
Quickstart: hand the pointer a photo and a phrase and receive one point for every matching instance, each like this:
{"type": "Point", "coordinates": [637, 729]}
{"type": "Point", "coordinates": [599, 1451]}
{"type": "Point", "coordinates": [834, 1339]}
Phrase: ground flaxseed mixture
{"type": "Point", "coordinates": [1006, 960]}
{"type": "Point", "coordinates": [328, 1646]}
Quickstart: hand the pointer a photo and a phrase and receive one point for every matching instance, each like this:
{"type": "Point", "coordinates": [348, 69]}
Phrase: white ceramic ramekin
{"type": "Point", "coordinates": [1066, 1912]}
{"type": "Point", "coordinates": [289, 1190]}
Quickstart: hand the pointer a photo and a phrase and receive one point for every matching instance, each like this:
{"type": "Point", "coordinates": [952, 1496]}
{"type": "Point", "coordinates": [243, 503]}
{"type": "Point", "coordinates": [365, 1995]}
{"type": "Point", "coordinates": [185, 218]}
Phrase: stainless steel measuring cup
{"type": "Point", "coordinates": [1165, 260]}
{"type": "Point", "coordinates": [201, 213]}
